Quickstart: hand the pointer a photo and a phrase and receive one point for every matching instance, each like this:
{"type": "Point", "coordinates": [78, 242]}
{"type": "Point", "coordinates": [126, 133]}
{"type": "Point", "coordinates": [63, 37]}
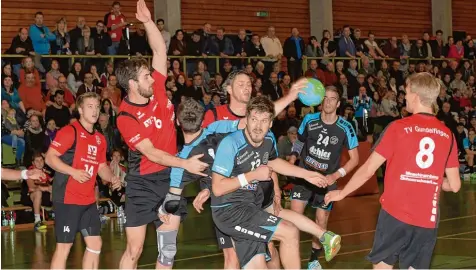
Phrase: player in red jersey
{"type": "Point", "coordinates": [78, 155]}
{"type": "Point", "coordinates": [146, 122]}
{"type": "Point", "coordinates": [239, 87]}
{"type": "Point", "coordinates": [419, 150]}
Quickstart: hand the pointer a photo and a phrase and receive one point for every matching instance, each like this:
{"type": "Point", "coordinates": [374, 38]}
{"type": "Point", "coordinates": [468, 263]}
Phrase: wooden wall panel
{"type": "Point", "coordinates": [236, 14]}
{"type": "Point", "coordinates": [385, 18]}
{"type": "Point", "coordinates": [464, 15]}
{"type": "Point", "coordinates": [20, 13]}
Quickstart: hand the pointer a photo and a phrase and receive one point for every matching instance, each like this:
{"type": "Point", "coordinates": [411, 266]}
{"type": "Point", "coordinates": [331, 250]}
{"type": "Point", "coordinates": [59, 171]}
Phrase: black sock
{"type": "Point", "coordinates": [315, 254]}
{"type": "Point", "coordinates": [471, 169]}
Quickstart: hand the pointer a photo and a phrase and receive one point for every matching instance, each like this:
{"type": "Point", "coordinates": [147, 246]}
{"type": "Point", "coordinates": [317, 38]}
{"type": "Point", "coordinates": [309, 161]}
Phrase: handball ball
{"type": "Point", "coordinates": [315, 93]}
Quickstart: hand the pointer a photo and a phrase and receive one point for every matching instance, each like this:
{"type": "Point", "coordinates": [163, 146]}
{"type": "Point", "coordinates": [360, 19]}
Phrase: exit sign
{"type": "Point", "coordinates": [262, 14]}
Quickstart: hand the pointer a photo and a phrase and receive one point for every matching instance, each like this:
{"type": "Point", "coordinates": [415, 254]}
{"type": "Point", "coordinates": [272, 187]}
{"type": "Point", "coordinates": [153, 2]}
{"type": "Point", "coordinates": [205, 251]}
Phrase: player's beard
{"type": "Point", "coordinates": [147, 93]}
{"type": "Point", "coordinates": [256, 135]}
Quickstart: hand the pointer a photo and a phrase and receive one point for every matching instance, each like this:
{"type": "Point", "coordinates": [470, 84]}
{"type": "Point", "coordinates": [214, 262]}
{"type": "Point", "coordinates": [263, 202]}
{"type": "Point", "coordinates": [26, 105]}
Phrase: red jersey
{"type": "Point", "coordinates": [222, 112]}
{"type": "Point", "coordinates": [81, 150]}
{"type": "Point", "coordinates": [153, 121]}
{"type": "Point", "coordinates": [112, 19]}
{"type": "Point", "coordinates": [418, 149]}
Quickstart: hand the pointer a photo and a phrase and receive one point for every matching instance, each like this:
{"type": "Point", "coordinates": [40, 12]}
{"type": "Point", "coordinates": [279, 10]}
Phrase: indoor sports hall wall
{"type": "Point", "coordinates": [464, 16]}
{"type": "Point", "coordinates": [236, 14]}
{"type": "Point", "coordinates": [384, 18]}
{"type": "Point", "coordinates": [21, 13]}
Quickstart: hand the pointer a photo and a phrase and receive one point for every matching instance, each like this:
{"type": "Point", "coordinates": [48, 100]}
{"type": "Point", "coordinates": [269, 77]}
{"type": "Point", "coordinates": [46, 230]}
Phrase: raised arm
{"type": "Point", "coordinates": [156, 41]}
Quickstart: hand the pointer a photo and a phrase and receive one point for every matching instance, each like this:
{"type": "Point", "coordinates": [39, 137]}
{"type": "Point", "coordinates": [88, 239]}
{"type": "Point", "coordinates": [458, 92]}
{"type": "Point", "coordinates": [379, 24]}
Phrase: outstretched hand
{"type": "Point", "coordinates": [298, 87]}
{"type": "Point", "coordinates": [143, 13]}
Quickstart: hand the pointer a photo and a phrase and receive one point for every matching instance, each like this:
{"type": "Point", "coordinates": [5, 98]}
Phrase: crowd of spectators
{"type": "Point", "coordinates": [38, 93]}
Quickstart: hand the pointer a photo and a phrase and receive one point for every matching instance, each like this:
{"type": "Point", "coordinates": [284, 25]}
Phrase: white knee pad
{"type": "Point", "coordinates": [93, 251]}
{"type": "Point", "coordinates": [167, 246]}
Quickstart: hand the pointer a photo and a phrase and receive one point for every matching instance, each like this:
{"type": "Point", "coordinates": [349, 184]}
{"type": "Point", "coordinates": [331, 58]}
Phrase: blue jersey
{"type": "Point", "coordinates": [236, 155]}
{"type": "Point", "coordinates": [322, 144]}
{"type": "Point", "coordinates": [205, 143]}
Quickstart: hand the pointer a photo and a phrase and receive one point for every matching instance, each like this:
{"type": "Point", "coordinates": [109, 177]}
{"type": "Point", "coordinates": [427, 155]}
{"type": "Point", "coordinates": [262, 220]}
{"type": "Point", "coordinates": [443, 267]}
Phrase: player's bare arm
{"type": "Point", "coordinates": [53, 160]}
{"type": "Point", "coordinates": [192, 164]}
{"type": "Point", "coordinates": [296, 88]}
{"type": "Point", "coordinates": [348, 167]}
{"type": "Point", "coordinates": [156, 41]}
{"type": "Point", "coordinates": [13, 175]}
{"type": "Point", "coordinates": [277, 194]}
{"type": "Point", "coordinates": [223, 185]}
{"type": "Point", "coordinates": [285, 168]}
{"type": "Point", "coordinates": [362, 175]}
{"type": "Point", "coordinates": [452, 182]}
{"type": "Point", "coordinates": [108, 176]}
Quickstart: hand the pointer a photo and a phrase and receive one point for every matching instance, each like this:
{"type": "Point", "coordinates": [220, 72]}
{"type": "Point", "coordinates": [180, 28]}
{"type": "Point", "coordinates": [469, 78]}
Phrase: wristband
{"type": "Point", "coordinates": [242, 179]}
{"type": "Point", "coordinates": [342, 172]}
{"type": "Point", "coordinates": [24, 174]}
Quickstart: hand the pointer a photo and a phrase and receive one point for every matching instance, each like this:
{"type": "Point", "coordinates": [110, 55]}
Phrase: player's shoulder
{"type": "Point", "coordinates": [344, 124]}
{"type": "Point", "coordinates": [234, 139]}
{"type": "Point", "coordinates": [270, 136]}
{"type": "Point", "coordinates": [311, 117]}
{"type": "Point", "coordinates": [71, 128]}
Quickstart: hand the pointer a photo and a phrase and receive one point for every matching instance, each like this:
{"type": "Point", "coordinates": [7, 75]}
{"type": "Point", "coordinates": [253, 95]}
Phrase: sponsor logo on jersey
{"type": "Point", "coordinates": [134, 139]}
{"type": "Point", "coordinates": [334, 140]}
{"type": "Point", "coordinates": [324, 130]}
{"type": "Point", "coordinates": [225, 118]}
{"type": "Point", "coordinates": [98, 140]}
{"type": "Point", "coordinates": [92, 150]}
{"type": "Point", "coordinates": [250, 187]}
{"type": "Point", "coordinates": [244, 157]}
{"type": "Point", "coordinates": [220, 170]}
{"type": "Point", "coordinates": [82, 135]}
{"type": "Point", "coordinates": [265, 158]}
{"type": "Point", "coordinates": [319, 153]}
{"type": "Point", "coordinates": [55, 144]}
{"type": "Point", "coordinates": [155, 120]}
{"type": "Point", "coordinates": [211, 152]}
{"type": "Point", "coordinates": [314, 126]}
{"type": "Point", "coordinates": [316, 165]}
{"type": "Point", "coordinates": [140, 115]}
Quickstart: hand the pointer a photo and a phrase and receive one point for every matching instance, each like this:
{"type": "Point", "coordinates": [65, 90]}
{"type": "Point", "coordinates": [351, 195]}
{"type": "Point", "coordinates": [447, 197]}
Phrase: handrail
{"type": "Point", "coordinates": [218, 58]}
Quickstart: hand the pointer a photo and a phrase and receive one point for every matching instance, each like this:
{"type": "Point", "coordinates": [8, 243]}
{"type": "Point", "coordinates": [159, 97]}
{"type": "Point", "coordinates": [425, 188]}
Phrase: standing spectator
{"type": "Point", "coordinates": [50, 133]}
{"type": "Point", "coordinates": [41, 36]}
{"type": "Point", "coordinates": [346, 45]}
{"type": "Point", "coordinates": [21, 44]}
{"type": "Point", "coordinates": [194, 48]}
{"type": "Point", "coordinates": [62, 45]}
{"type": "Point", "coordinates": [116, 22]}
{"type": "Point", "coordinates": [76, 33]}
{"type": "Point", "coordinates": [255, 48]}
{"type": "Point", "coordinates": [437, 46]}
{"type": "Point", "coordinates": [178, 46]}
{"type": "Point", "coordinates": [470, 50]}
{"type": "Point", "coordinates": [273, 49]}
{"type": "Point", "coordinates": [294, 52]}
{"type": "Point", "coordinates": [427, 45]}
{"type": "Point", "coordinates": [165, 33]}
{"type": "Point", "coordinates": [102, 41]}
{"type": "Point", "coordinates": [240, 46]}
{"type": "Point", "coordinates": [218, 46]}
{"type": "Point", "coordinates": [313, 49]}
{"type": "Point", "coordinates": [391, 48]}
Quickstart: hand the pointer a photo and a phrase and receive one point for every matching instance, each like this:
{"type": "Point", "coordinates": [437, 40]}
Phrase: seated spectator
{"type": "Point", "coordinates": [114, 93]}
{"type": "Point", "coordinates": [366, 69]}
{"type": "Point", "coordinates": [389, 107]}
{"type": "Point", "coordinates": [75, 77]}
{"type": "Point", "coordinates": [286, 85]}
{"type": "Point", "coordinates": [330, 75]}
{"type": "Point", "coordinates": [7, 71]}
{"type": "Point", "coordinates": [12, 133]}
{"type": "Point", "coordinates": [280, 125]}
{"type": "Point", "coordinates": [362, 104]}
{"type": "Point", "coordinates": [30, 94]}
{"type": "Point", "coordinates": [58, 112]}
{"type": "Point", "coordinates": [469, 145]}
{"type": "Point", "coordinates": [259, 71]}
{"type": "Point", "coordinates": [105, 76]}
{"type": "Point", "coordinates": [96, 78]}
{"type": "Point", "coordinates": [34, 139]}
{"type": "Point", "coordinates": [11, 95]}
{"type": "Point", "coordinates": [28, 66]}
{"type": "Point", "coordinates": [466, 71]}
{"type": "Point", "coordinates": [37, 193]}
{"type": "Point", "coordinates": [69, 100]}
{"type": "Point", "coordinates": [110, 133]}
{"type": "Point", "coordinates": [197, 90]}
{"type": "Point", "coordinates": [227, 69]}
{"type": "Point", "coordinates": [88, 85]}
{"type": "Point", "coordinates": [50, 133]}
{"type": "Point", "coordinates": [201, 69]}
{"type": "Point", "coordinates": [138, 42]}
{"type": "Point", "coordinates": [458, 83]}
{"type": "Point", "coordinates": [176, 68]}
{"type": "Point", "coordinates": [178, 46]}
{"type": "Point", "coordinates": [216, 88]}
{"type": "Point", "coordinates": [21, 44]}
{"type": "Point", "coordinates": [447, 117]}
{"type": "Point", "coordinates": [53, 75]}
{"type": "Point", "coordinates": [314, 72]}
{"type": "Point", "coordinates": [272, 88]}
{"type": "Point", "coordinates": [292, 117]}
{"type": "Point", "coordinates": [107, 108]}
{"type": "Point", "coordinates": [207, 102]}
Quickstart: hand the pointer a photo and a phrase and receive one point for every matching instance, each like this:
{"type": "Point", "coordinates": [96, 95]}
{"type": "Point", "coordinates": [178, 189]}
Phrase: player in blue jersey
{"type": "Point", "coordinates": [197, 140]}
{"type": "Point", "coordinates": [321, 139]}
{"type": "Point", "coordinates": [242, 160]}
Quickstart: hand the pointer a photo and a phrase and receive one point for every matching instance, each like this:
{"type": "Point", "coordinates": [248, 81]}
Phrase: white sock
{"type": "Point", "coordinates": [37, 218]}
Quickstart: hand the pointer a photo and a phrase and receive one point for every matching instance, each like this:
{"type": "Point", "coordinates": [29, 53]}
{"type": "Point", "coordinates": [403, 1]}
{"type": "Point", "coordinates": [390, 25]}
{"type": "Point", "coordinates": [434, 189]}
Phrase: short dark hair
{"type": "Point", "coordinates": [190, 115]}
{"type": "Point", "coordinates": [261, 104]}
{"type": "Point", "coordinates": [59, 92]}
{"type": "Point", "coordinates": [439, 32]}
{"type": "Point", "coordinates": [37, 154]}
{"type": "Point", "coordinates": [160, 20]}
{"type": "Point", "coordinates": [38, 13]}
{"type": "Point", "coordinates": [129, 70]}
{"type": "Point", "coordinates": [116, 3]}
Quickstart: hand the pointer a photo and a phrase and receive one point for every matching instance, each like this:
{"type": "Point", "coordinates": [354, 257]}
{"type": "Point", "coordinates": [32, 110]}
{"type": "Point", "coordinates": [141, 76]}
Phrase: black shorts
{"type": "Point", "coordinates": [144, 196]}
{"type": "Point", "coordinates": [305, 191]}
{"type": "Point", "coordinates": [223, 240]}
{"type": "Point", "coordinates": [394, 241]}
{"type": "Point", "coordinates": [72, 218]}
{"type": "Point", "coordinates": [250, 227]}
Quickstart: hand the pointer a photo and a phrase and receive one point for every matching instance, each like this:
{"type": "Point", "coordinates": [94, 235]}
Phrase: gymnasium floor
{"type": "Point", "coordinates": [353, 218]}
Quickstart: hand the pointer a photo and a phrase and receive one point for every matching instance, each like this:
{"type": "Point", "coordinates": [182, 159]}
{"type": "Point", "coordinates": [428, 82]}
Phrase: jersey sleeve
{"type": "Point", "coordinates": [179, 177]}
{"type": "Point", "coordinates": [130, 130]}
{"type": "Point", "coordinates": [350, 136]}
{"type": "Point", "coordinates": [64, 139]}
{"type": "Point", "coordinates": [453, 161]}
{"type": "Point", "coordinates": [225, 157]}
{"type": "Point", "coordinates": [159, 87]}
{"type": "Point", "coordinates": [224, 126]}
{"type": "Point", "coordinates": [302, 131]}
{"type": "Point", "coordinates": [274, 151]}
{"type": "Point", "coordinates": [208, 119]}
{"type": "Point", "coordinates": [466, 143]}
{"type": "Point", "coordinates": [102, 155]}
{"type": "Point", "coordinates": [385, 144]}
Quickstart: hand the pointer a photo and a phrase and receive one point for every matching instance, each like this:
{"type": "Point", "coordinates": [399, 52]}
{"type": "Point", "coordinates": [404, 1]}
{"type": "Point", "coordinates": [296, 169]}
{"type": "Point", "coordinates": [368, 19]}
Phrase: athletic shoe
{"type": "Point", "coordinates": [314, 265]}
{"type": "Point", "coordinates": [331, 244]}
{"type": "Point", "coordinates": [40, 226]}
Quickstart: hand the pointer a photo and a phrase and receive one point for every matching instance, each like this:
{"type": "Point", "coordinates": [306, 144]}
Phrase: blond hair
{"type": "Point", "coordinates": [425, 86]}
{"type": "Point", "coordinates": [81, 98]}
